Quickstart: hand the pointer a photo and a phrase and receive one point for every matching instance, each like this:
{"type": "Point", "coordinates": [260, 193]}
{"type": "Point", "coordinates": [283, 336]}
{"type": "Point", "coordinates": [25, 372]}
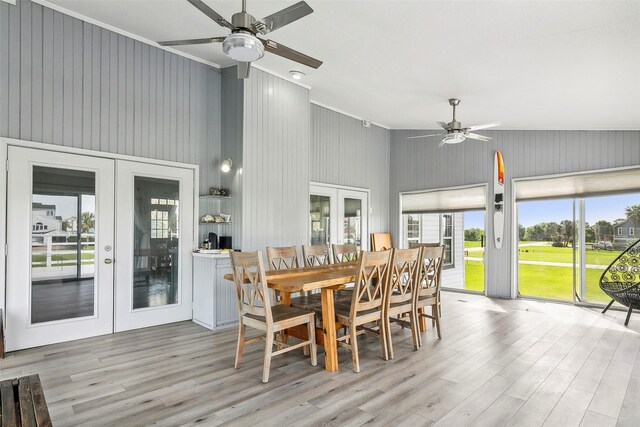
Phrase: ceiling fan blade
{"type": "Point", "coordinates": [287, 52]}
{"type": "Point", "coordinates": [441, 143]}
{"type": "Point", "coordinates": [476, 136]}
{"type": "Point", "coordinates": [444, 125]}
{"type": "Point", "coordinates": [425, 136]}
{"type": "Point", "coordinates": [192, 41]}
{"type": "Point", "coordinates": [485, 126]}
{"type": "Point", "coordinates": [284, 17]}
{"type": "Point", "coordinates": [244, 68]}
{"type": "Point", "coordinates": [202, 7]}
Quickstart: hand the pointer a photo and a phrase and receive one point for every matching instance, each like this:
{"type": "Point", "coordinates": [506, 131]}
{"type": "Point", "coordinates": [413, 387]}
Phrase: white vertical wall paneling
{"type": "Point", "coordinates": [343, 152]}
{"type": "Point", "coordinates": [67, 82]}
{"type": "Point", "coordinates": [275, 150]}
{"type": "Point", "coordinates": [419, 164]}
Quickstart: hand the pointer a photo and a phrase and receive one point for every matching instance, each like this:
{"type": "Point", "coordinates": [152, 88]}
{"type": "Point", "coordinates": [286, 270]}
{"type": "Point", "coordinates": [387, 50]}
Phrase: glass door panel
{"type": "Point", "coordinates": [352, 222]}
{"type": "Point", "coordinates": [61, 216]}
{"type": "Point", "coordinates": [546, 251]}
{"type": "Point", "coordinates": [474, 250]}
{"type": "Point", "coordinates": [155, 240]}
{"type": "Point", "coordinates": [155, 226]}
{"type": "Point", "coordinates": [320, 219]}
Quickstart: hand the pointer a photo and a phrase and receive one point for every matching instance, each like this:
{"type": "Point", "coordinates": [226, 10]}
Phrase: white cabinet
{"type": "Point", "coordinates": [214, 300]}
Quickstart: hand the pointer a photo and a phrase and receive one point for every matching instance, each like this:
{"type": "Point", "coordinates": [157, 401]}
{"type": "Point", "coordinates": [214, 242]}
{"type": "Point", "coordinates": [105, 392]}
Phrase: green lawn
{"type": "Point", "coordinates": [557, 282]}
{"type": "Point", "coordinates": [474, 276]}
{"type": "Point", "coordinates": [549, 253]}
{"type": "Point", "coordinates": [61, 257]}
{"type": "Point", "coordinates": [471, 244]}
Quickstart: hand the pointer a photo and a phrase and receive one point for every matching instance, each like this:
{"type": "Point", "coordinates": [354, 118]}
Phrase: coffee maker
{"type": "Point", "coordinates": [213, 241]}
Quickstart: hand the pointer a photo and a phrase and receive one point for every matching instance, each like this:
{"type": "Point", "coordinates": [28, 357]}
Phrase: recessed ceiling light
{"type": "Point", "coordinates": [296, 75]}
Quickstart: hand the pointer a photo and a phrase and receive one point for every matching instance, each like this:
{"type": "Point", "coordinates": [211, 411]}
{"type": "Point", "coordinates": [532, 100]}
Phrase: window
{"type": "Point", "coordinates": [38, 227]}
{"type": "Point", "coordinates": [159, 224]}
{"type": "Point", "coordinates": [619, 231]}
{"type": "Point", "coordinates": [413, 229]}
{"type": "Point", "coordinates": [632, 231]}
{"type": "Point", "coordinates": [447, 239]}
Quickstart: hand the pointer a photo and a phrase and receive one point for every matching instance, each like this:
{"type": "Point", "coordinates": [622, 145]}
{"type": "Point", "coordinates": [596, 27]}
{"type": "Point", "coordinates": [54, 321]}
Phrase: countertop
{"type": "Point", "coordinates": [220, 255]}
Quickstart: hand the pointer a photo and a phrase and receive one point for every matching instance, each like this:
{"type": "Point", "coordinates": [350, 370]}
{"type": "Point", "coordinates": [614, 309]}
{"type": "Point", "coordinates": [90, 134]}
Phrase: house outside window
{"type": "Point", "coordinates": [632, 231]}
{"type": "Point", "coordinates": [414, 224]}
{"type": "Point", "coordinates": [619, 231]}
{"type": "Point", "coordinates": [159, 224]}
{"type": "Point", "coordinates": [447, 239]}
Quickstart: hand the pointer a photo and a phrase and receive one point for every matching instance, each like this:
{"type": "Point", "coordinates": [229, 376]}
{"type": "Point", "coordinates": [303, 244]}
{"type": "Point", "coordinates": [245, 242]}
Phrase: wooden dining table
{"type": "Point", "coordinates": [326, 278]}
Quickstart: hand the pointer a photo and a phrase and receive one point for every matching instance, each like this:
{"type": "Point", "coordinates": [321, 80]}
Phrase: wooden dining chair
{"type": "Point", "coordinates": [413, 245]}
{"type": "Point", "coordinates": [282, 258]}
{"type": "Point", "coordinates": [316, 255]}
{"type": "Point", "coordinates": [372, 279]}
{"type": "Point", "coordinates": [255, 310]}
{"type": "Point", "coordinates": [344, 253]}
{"type": "Point", "coordinates": [399, 299]}
{"type": "Point", "coordinates": [426, 294]}
{"type": "Point", "coordinates": [381, 241]}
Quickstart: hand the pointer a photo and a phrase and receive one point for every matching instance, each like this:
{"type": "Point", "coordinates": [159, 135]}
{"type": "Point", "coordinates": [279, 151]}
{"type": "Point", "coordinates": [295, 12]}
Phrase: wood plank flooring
{"type": "Point", "coordinates": [500, 362]}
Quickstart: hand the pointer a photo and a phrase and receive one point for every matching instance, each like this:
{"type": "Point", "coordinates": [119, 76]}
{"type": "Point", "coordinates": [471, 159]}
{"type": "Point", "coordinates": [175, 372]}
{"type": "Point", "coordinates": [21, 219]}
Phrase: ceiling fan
{"type": "Point", "coordinates": [455, 132]}
{"type": "Point", "coordinates": [242, 44]}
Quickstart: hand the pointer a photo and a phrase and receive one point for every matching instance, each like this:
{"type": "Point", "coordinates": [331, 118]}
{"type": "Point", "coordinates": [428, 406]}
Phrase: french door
{"type": "Point", "coordinates": [60, 234]}
{"type": "Point", "coordinates": [155, 235]}
{"type": "Point", "coordinates": [338, 215]}
{"type": "Point", "coordinates": [84, 259]}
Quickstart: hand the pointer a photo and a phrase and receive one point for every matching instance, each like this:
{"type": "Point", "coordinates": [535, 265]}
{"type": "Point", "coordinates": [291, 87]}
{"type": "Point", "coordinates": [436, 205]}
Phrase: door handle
{"type": "Point", "coordinates": [108, 261]}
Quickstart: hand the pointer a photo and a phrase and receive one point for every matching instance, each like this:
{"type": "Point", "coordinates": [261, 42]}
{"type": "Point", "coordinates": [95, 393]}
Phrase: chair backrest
{"type": "Point", "coordinates": [252, 292]}
{"type": "Point", "coordinates": [404, 275]}
{"type": "Point", "coordinates": [431, 268]}
{"type": "Point", "coordinates": [344, 253]}
{"type": "Point", "coordinates": [381, 241]}
{"type": "Point", "coordinates": [413, 245]}
{"type": "Point", "coordinates": [282, 258]}
{"type": "Point", "coordinates": [372, 280]}
{"type": "Point", "coordinates": [316, 255]}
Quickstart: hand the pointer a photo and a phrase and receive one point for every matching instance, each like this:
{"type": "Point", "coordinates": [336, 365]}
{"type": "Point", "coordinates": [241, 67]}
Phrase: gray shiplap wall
{"type": "Point", "coordinates": [343, 152]}
{"type": "Point", "coordinates": [419, 164]}
{"type": "Point", "coordinates": [275, 178]}
{"type": "Point", "coordinates": [232, 140]}
{"type": "Point", "coordinates": [67, 82]}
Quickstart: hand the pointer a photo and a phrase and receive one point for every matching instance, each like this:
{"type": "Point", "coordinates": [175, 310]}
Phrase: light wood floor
{"type": "Point", "coordinates": [500, 362]}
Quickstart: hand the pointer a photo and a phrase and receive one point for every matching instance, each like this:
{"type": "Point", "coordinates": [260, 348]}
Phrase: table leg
{"type": "Point", "coordinates": [423, 320]}
{"type": "Point", "coordinates": [329, 331]}
{"type": "Point", "coordinates": [285, 299]}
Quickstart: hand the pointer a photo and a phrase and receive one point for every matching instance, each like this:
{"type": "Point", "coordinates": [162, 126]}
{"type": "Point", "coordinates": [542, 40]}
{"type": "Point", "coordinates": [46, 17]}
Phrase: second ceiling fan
{"type": "Point", "coordinates": [455, 132]}
{"type": "Point", "coordinates": [242, 45]}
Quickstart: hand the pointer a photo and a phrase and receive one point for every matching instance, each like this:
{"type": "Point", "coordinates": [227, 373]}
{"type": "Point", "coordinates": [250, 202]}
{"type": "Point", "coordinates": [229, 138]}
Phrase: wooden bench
{"type": "Point", "coordinates": [22, 403]}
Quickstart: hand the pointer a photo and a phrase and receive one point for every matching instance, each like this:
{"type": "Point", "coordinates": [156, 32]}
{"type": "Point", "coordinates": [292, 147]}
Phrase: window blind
{"type": "Point", "coordinates": [449, 200]}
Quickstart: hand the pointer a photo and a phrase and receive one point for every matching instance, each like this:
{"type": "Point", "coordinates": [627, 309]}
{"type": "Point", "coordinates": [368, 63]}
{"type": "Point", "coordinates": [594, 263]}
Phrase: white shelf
{"type": "Point", "coordinates": [212, 197]}
{"type": "Point", "coordinates": [215, 223]}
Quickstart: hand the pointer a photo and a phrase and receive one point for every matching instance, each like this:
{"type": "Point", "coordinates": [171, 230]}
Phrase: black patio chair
{"type": "Point", "coordinates": [621, 280]}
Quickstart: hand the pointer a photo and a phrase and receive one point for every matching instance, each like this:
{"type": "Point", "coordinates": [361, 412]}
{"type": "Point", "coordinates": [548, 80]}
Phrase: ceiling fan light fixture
{"type": "Point", "coordinates": [454, 138]}
{"type": "Point", "coordinates": [296, 75]}
{"type": "Point", "coordinates": [243, 47]}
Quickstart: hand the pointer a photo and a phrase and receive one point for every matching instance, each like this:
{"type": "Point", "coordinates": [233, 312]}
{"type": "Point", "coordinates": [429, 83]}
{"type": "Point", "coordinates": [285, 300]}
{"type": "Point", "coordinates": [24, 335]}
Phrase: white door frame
{"type": "Point", "coordinates": [338, 191]}
{"type": "Point", "coordinates": [6, 142]}
{"type": "Point", "coordinates": [21, 332]}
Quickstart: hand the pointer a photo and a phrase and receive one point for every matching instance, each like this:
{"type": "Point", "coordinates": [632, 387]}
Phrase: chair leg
{"type": "Point", "coordinates": [415, 331]}
{"type": "Point", "coordinates": [311, 327]}
{"type": "Point", "coordinates": [416, 313]}
{"type": "Point", "coordinates": [383, 332]}
{"type": "Point", "coordinates": [387, 330]}
{"type": "Point", "coordinates": [268, 349]}
{"type": "Point", "coordinates": [240, 346]}
{"type": "Point", "coordinates": [626, 322]}
{"type": "Point", "coordinates": [435, 311]}
{"type": "Point", "coordinates": [607, 307]}
{"type": "Point", "coordinates": [353, 342]}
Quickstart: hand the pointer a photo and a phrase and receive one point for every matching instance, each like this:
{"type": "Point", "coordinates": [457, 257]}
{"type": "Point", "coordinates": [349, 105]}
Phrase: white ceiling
{"type": "Point", "coordinates": [529, 64]}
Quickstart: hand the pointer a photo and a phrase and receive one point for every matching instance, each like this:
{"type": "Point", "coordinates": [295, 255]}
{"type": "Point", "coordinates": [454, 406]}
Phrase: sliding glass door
{"type": "Point", "coordinates": [566, 244]}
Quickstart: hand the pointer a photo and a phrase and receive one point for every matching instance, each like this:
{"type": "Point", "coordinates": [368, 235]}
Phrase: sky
{"type": "Point", "coordinates": [609, 208]}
